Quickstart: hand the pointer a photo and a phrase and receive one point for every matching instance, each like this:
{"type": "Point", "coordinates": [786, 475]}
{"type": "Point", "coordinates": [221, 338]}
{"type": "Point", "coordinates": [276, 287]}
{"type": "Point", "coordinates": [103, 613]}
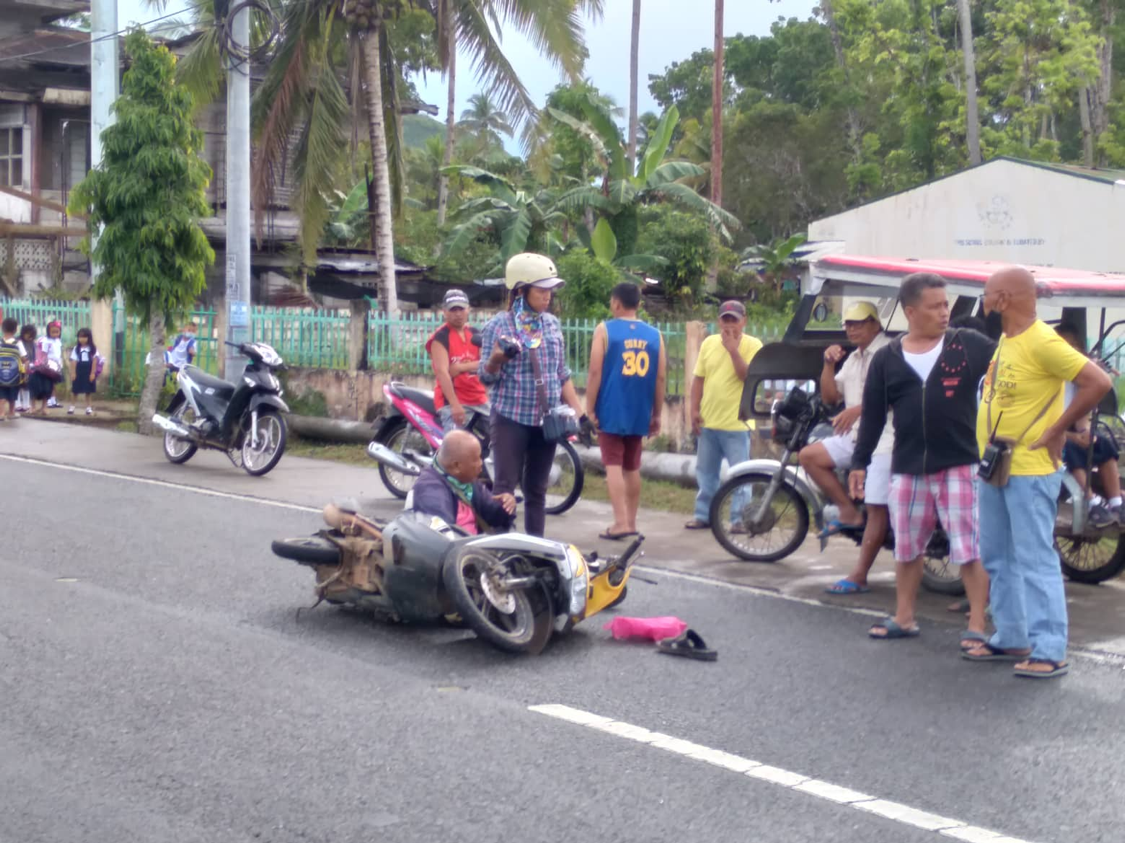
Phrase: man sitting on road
{"type": "Point", "coordinates": [821, 459]}
{"type": "Point", "coordinates": [455, 360]}
{"type": "Point", "coordinates": [450, 489]}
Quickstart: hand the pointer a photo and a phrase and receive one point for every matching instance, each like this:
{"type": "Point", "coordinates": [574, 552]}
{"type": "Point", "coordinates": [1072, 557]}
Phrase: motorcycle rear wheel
{"type": "Point", "coordinates": [526, 628]}
{"type": "Point", "coordinates": [787, 508]}
{"type": "Point", "coordinates": [572, 477]}
{"type": "Point", "coordinates": [176, 450]}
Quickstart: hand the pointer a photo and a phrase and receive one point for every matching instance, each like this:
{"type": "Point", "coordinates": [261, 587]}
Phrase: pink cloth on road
{"type": "Point", "coordinates": [655, 628]}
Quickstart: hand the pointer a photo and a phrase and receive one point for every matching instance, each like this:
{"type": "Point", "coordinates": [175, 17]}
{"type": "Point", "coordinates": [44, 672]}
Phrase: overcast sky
{"type": "Point", "coordinates": [669, 32]}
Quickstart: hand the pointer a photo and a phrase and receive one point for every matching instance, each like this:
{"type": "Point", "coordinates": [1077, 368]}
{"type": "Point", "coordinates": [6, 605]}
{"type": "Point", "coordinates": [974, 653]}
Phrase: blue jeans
{"type": "Point", "coordinates": [714, 447]}
{"type": "Point", "coordinates": [1017, 526]}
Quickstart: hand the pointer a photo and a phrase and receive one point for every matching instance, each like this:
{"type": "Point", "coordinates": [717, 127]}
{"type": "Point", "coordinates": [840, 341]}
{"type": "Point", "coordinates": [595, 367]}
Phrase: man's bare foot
{"type": "Point", "coordinates": [1041, 668]}
{"type": "Point", "coordinates": [986, 652]}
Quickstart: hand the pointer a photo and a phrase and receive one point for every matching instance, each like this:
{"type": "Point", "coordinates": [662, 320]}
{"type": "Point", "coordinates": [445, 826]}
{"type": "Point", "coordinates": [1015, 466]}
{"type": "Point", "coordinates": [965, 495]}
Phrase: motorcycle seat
{"type": "Point", "coordinates": [423, 399]}
{"type": "Point", "coordinates": [222, 388]}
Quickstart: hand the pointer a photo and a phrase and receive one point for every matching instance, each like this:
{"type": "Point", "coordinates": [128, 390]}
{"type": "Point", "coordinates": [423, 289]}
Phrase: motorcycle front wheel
{"type": "Point", "coordinates": [567, 488]}
{"type": "Point", "coordinates": [400, 437]}
{"type": "Point", "coordinates": [513, 620]}
{"type": "Point", "coordinates": [259, 456]}
{"type": "Point", "coordinates": [777, 533]}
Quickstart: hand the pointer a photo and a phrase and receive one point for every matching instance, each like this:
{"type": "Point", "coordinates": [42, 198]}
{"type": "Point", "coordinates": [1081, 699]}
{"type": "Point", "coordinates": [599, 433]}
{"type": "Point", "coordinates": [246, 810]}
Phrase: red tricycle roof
{"type": "Point", "coordinates": [1052, 280]}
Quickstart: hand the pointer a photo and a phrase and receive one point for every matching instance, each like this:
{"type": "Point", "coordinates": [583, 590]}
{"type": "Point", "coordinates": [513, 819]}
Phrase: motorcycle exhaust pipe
{"type": "Point", "coordinates": [382, 454]}
{"type": "Point", "coordinates": [169, 426]}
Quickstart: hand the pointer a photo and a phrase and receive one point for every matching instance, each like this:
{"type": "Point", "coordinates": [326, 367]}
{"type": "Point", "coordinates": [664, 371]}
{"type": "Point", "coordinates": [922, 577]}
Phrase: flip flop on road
{"type": "Point", "coordinates": [614, 537]}
{"type": "Point", "coordinates": [846, 586]}
{"type": "Point", "coordinates": [971, 640]}
{"type": "Point", "coordinates": [991, 654]}
{"type": "Point", "coordinates": [689, 644]}
{"type": "Point", "coordinates": [1057, 669]}
{"type": "Point", "coordinates": [836, 527]}
{"type": "Point", "coordinates": [892, 631]}
{"type": "Point", "coordinates": [696, 524]}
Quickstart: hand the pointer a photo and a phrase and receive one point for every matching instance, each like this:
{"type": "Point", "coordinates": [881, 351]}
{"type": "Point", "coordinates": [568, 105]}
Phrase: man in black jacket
{"type": "Point", "coordinates": [450, 490]}
{"type": "Point", "coordinates": [929, 377]}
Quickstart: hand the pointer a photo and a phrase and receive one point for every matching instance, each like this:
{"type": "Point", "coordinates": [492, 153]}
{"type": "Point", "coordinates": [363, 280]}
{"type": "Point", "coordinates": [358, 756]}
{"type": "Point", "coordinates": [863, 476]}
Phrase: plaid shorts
{"type": "Point", "coordinates": [917, 503]}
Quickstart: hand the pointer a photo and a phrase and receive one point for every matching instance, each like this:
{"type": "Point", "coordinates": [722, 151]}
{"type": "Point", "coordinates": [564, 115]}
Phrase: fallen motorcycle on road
{"type": "Point", "coordinates": [514, 591]}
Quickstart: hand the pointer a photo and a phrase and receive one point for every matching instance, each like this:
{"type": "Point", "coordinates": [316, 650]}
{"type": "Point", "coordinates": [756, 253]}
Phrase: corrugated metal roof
{"type": "Point", "coordinates": [54, 46]}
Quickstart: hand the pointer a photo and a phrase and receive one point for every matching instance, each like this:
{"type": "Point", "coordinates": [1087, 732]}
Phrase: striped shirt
{"type": "Point", "coordinates": [514, 395]}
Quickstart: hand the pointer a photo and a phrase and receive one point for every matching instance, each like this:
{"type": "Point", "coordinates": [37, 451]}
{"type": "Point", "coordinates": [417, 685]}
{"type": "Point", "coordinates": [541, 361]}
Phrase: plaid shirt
{"type": "Point", "coordinates": [513, 389]}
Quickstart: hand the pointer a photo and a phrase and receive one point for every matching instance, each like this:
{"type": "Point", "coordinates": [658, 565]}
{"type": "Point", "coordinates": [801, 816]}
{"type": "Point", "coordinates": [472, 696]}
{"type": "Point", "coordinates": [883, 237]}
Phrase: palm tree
{"type": "Point", "coordinates": [634, 62]}
{"type": "Point", "coordinates": [972, 116]}
{"type": "Point", "coordinates": [487, 122]}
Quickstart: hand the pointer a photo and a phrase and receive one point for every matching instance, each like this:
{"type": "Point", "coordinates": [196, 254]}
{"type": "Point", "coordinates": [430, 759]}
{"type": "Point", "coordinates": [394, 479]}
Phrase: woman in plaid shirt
{"type": "Point", "coordinates": [519, 449]}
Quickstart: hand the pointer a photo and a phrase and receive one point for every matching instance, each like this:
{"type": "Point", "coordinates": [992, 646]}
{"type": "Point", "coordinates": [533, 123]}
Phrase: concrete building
{"type": "Point", "coordinates": [1005, 210]}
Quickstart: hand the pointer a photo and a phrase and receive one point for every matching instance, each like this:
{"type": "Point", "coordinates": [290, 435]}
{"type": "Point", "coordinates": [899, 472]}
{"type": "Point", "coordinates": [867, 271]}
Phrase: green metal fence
{"type": "Point", "coordinates": [316, 339]}
{"type": "Point", "coordinates": [127, 374]}
{"type": "Point", "coordinates": [40, 312]}
{"type": "Point", "coordinates": [319, 339]}
{"type": "Point", "coordinates": [399, 345]}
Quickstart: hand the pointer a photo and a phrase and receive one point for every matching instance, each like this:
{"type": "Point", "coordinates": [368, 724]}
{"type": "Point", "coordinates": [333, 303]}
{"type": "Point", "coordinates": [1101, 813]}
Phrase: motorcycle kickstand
{"type": "Point", "coordinates": [300, 609]}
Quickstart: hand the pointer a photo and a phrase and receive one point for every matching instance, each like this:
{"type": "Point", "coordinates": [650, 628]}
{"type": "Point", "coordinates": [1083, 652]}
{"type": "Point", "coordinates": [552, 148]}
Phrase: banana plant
{"type": "Point", "coordinates": [603, 243]}
{"type": "Point", "coordinates": [625, 189]}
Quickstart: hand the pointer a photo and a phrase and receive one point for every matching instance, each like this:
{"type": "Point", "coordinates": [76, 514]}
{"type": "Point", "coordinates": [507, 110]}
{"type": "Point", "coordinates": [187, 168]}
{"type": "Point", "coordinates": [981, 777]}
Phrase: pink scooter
{"type": "Point", "coordinates": [407, 438]}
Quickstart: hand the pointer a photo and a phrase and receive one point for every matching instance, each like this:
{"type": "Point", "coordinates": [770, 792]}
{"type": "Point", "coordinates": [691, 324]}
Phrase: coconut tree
{"type": "Point", "coordinates": [483, 119]}
{"type": "Point", "coordinates": [717, 110]}
{"type": "Point", "coordinates": [634, 62]}
{"type": "Point", "coordinates": [972, 116]}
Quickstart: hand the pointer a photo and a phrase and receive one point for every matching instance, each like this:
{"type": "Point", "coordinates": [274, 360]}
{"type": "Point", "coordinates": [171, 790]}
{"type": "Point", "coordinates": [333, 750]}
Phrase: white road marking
{"type": "Point", "coordinates": [895, 811]}
{"type": "Point", "coordinates": [1081, 652]}
{"type": "Point", "coordinates": [148, 481]}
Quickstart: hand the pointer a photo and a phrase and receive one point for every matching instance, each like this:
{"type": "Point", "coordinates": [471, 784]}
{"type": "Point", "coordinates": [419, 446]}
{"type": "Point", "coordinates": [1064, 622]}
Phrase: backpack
{"type": "Point", "coordinates": [45, 366]}
{"type": "Point", "coordinates": [12, 367]}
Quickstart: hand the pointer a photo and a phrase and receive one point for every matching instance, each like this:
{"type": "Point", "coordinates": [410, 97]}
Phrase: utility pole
{"type": "Point", "coordinates": [105, 70]}
{"type": "Point", "coordinates": [238, 187]}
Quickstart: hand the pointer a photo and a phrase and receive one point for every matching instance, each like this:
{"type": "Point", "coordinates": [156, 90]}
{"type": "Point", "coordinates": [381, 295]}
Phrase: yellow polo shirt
{"type": "Point", "coordinates": [1025, 372]}
{"type": "Point", "coordinates": [722, 388]}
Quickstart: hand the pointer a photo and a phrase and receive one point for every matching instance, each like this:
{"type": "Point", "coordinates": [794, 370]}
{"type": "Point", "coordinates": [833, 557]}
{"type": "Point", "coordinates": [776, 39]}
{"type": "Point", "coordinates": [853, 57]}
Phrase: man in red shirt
{"type": "Point", "coordinates": [459, 392]}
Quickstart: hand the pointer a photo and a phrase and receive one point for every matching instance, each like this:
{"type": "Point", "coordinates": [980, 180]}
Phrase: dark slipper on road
{"type": "Point", "coordinates": [1057, 669]}
{"type": "Point", "coordinates": [614, 537]}
{"type": "Point", "coordinates": [990, 654]}
{"type": "Point", "coordinates": [689, 644]}
{"type": "Point", "coordinates": [971, 640]}
{"type": "Point", "coordinates": [696, 524]}
{"type": "Point", "coordinates": [893, 631]}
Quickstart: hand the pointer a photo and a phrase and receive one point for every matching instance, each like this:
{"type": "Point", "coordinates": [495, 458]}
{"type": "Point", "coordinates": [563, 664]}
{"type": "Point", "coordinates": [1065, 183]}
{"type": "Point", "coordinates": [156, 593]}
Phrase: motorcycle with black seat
{"type": "Point", "coordinates": [514, 591]}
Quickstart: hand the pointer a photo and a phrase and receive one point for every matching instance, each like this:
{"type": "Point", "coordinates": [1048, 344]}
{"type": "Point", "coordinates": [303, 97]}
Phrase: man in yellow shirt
{"type": "Point", "coordinates": [1022, 402]}
{"type": "Point", "coordinates": [716, 393]}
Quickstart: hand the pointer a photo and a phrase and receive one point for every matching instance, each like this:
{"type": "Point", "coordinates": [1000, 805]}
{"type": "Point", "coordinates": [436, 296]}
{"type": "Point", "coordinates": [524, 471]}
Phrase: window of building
{"type": "Point", "coordinates": [11, 157]}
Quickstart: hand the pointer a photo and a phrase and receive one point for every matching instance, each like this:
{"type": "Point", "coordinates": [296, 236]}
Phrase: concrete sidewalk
{"type": "Point", "coordinates": [1097, 612]}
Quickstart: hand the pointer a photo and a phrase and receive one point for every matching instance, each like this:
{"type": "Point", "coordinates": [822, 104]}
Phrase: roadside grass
{"type": "Point", "coordinates": [655, 494]}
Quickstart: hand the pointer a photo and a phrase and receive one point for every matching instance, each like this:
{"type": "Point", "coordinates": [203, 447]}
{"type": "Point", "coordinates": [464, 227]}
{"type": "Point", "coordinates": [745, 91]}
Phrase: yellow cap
{"type": "Point", "coordinates": [861, 311]}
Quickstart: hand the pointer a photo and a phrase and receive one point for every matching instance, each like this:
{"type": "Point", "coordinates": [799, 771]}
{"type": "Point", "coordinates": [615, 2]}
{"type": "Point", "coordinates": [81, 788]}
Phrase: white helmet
{"type": "Point", "coordinates": [531, 270]}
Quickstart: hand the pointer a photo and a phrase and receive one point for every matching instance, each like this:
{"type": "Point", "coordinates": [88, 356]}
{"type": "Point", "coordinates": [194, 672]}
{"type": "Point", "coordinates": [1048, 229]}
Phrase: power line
{"type": "Point", "coordinates": [119, 33]}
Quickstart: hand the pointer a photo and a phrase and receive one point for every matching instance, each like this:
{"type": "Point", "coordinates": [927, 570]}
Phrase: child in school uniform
{"type": "Point", "coordinates": [42, 382]}
{"type": "Point", "coordinates": [13, 364]}
{"type": "Point", "coordinates": [28, 334]}
{"type": "Point", "coordinates": [84, 370]}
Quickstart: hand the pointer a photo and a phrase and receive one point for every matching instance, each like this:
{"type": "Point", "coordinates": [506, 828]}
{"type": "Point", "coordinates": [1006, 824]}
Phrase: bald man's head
{"type": "Point", "coordinates": [459, 455]}
{"type": "Point", "coordinates": [1011, 292]}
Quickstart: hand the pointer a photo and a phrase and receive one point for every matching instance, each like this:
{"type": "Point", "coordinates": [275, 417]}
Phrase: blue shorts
{"type": "Point", "coordinates": [1074, 455]}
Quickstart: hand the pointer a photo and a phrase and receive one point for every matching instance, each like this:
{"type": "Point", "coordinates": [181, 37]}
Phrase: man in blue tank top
{"type": "Point", "coordinates": [624, 398]}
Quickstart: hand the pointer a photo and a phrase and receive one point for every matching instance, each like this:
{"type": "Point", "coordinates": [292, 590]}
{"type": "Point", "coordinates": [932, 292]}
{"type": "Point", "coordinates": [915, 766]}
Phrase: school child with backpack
{"type": "Point", "coordinates": [46, 367]}
{"type": "Point", "coordinates": [27, 337]}
{"type": "Point", "coordinates": [13, 365]}
{"type": "Point", "coordinates": [85, 366]}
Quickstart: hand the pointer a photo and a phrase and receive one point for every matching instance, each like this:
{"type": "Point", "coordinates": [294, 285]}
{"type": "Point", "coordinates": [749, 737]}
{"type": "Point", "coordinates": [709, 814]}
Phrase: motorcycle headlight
{"type": "Point", "coordinates": [579, 581]}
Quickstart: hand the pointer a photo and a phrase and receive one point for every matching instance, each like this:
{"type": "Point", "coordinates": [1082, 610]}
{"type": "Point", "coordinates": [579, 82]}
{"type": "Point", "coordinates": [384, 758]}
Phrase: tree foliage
{"type": "Point", "coordinates": [146, 197]}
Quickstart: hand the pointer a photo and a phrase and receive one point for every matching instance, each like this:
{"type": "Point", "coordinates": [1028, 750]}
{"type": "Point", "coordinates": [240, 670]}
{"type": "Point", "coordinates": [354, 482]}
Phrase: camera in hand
{"type": "Point", "coordinates": [511, 347]}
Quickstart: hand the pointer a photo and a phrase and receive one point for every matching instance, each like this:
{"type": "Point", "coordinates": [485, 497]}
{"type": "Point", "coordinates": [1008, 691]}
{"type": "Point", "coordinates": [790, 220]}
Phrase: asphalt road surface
{"type": "Point", "coordinates": [156, 685]}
